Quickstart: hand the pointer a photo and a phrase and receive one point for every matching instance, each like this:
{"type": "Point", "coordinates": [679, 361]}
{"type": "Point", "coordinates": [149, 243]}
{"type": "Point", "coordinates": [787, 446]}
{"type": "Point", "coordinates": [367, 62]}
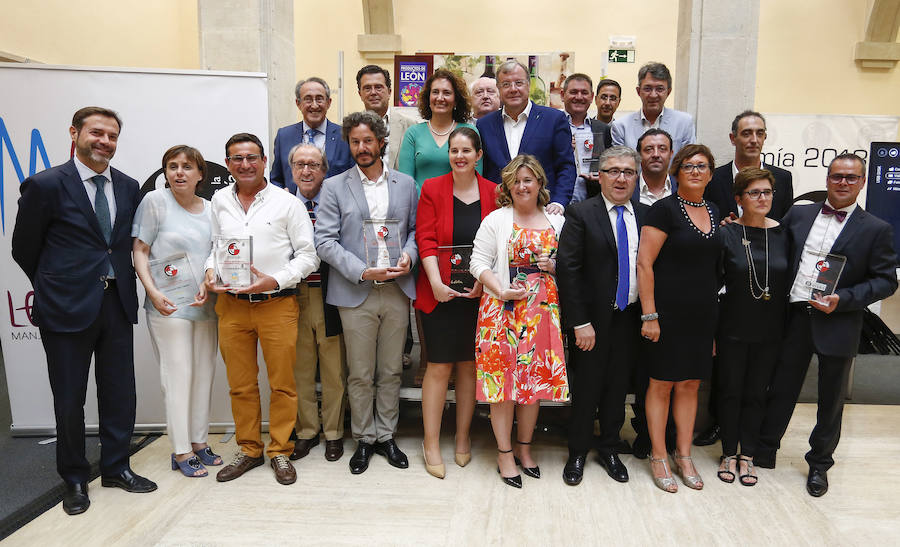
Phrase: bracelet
{"type": "Point", "coordinates": [650, 316]}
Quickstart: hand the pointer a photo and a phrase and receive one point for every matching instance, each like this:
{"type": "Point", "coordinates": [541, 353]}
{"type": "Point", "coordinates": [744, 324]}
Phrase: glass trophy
{"type": "Point", "coordinates": [828, 272]}
{"type": "Point", "coordinates": [233, 256]}
{"type": "Point", "coordinates": [461, 280]}
{"type": "Point", "coordinates": [173, 276]}
{"type": "Point", "coordinates": [382, 241]}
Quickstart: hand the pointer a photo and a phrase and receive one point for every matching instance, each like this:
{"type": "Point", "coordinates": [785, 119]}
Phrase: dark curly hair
{"type": "Point", "coordinates": [461, 101]}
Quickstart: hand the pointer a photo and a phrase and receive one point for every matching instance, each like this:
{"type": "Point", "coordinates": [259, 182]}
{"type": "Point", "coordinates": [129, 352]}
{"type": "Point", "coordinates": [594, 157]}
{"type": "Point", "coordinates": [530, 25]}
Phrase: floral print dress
{"type": "Point", "coordinates": [518, 344]}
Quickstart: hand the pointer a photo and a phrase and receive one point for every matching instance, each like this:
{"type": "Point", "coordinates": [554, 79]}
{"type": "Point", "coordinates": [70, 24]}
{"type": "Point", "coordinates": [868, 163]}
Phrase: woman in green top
{"type": "Point", "coordinates": [444, 104]}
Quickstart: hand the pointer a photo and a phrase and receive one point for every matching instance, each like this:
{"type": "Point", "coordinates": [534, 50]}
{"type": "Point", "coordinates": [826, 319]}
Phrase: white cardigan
{"type": "Point", "coordinates": [490, 251]}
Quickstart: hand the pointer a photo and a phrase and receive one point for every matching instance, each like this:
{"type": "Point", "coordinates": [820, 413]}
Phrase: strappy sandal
{"type": "Point", "coordinates": [745, 478]}
{"type": "Point", "coordinates": [667, 483]}
{"type": "Point", "coordinates": [726, 475]}
{"type": "Point", "coordinates": [691, 481]}
{"type": "Point", "coordinates": [189, 467]}
{"type": "Point", "coordinates": [208, 457]}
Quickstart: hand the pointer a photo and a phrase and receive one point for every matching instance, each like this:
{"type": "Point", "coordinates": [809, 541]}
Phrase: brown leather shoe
{"type": "Point", "coordinates": [240, 465]}
{"type": "Point", "coordinates": [284, 470]}
{"type": "Point", "coordinates": [334, 450]}
{"type": "Point", "coordinates": [303, 446]}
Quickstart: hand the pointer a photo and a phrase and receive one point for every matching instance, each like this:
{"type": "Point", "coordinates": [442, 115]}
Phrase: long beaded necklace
{"type": "Point", "coordinates": [752, 278]}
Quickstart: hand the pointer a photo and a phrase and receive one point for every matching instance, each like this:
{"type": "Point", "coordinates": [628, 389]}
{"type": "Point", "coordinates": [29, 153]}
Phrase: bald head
{"type": "Point", "coordinates": [485, 97]}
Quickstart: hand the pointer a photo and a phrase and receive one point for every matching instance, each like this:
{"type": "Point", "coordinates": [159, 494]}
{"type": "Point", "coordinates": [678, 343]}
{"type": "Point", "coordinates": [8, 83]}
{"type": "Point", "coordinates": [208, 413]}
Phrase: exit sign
{"type": "Point", "coordinates": [621, 56]}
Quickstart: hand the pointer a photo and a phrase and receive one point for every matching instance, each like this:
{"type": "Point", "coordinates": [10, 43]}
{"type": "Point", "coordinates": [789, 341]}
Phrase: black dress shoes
{"type": "Point", "coordinates": [614, 466]}
{"type": "Point", "coordinates": [129, 481]}
{"type": "Point", "coordinates": [76, 500]}
{"type": "Point", "coordinates": [392, 452]}
{"type": "Point", "coordinates": [574, 469]}
{"type": "Point", "coordinates": [302, 447]}
{"type": "Point", "coordinates": [817, 483]}
{"type": "Point", "coordinates": [515, 482]}
{"type": "Point", "coordinates": [359, 461]}
{"type": "Point", "coordinates": [640, 449]}
{"type": "Point", "coordinates": [708, 437]}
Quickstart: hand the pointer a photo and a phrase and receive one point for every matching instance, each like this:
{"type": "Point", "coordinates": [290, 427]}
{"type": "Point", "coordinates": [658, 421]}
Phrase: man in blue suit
{"type": "Point", "coordinates": [73, 240]}
{"type": "Point", "coordinates": [313, 98]}
{"type": "Point", "coordinates": [654, 86]}
{"type": "Point", "coordinates": [522, 127]}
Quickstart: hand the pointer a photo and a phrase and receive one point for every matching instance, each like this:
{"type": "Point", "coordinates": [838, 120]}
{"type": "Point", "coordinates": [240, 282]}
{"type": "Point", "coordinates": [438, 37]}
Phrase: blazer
{"type": "Point", "coordinates": [602, 141]}
{"type": "Point", "coordinates": [58, 244]}
{"type": "Point", "coordinates": [587, 264]}
{"type": "Point", "coordinates": [868, 276]}
{"type": "Point", "coordinates": [492, 241]}
{"type": "Point", "coordinates": [547, 137]}
{"type": "Point", "coordinates": [400, 121]}
{"type": "Point", "coordinates": [339, 233]}
{"type": "Point", "coordinates": [719, 191]}
{"type": "Point", "coordinates": [337, 152]}
{"type": "Point", "coordinates": [434, 228]}
{"type": "Point", "coordinates": [680, 125]}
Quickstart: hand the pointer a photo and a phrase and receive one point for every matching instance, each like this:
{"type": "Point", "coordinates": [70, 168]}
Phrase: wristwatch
{"type": "Point", "coordinates": [650, 316]}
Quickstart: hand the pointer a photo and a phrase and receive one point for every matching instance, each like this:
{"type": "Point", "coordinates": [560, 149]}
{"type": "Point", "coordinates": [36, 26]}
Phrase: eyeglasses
{"type": "Point", "coordinates": [251, 158]}
{"type": "Point", "coordinates": [650, 89]}
{"type": "Point", "coordinates": [758, 194]}
{"type": "Point", "coordinates": [615, 172]}
{"type": "Point", "coordinates": [836, 178]}
{"type": "Point", "coordinates": [518, 84]}
{"type": "Point", "coordinates": [319, 99]}
{"type": "Point", "coordinates": [313, 165]}
{"type": "Point", "coordinates": [691, 167]}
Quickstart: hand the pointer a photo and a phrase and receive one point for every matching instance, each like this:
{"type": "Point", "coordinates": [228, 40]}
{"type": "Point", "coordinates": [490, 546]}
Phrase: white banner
{"type": "Point", "coordinates": [159, 109]}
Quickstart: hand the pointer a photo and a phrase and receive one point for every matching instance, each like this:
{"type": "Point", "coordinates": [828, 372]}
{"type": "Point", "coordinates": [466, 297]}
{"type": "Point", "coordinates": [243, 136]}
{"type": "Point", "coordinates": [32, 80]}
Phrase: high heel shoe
{"type": "Point", "coordinates": [463, 458]}
{"type": "Point", "coordinates": [667, 483]}
{"type": "Point", "coordinates": [533, 472]}
{"type": "Point", "coordinates": [691, 481]}
{"type": "Point", "coordinates": [516, 481]}
{"type": "Point", "coordinates": [434, 470]}
{"type": "Point", "coordinates": [189, 466]}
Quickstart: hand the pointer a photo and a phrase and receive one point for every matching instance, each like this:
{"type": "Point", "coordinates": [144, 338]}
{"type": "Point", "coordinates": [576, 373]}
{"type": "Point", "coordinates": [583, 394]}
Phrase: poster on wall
{"type": "Point", "coordinates": [410, 73]}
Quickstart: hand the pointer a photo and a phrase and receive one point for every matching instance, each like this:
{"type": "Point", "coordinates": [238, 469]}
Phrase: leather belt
{"type": "Point", "coordinates": [262, 297]}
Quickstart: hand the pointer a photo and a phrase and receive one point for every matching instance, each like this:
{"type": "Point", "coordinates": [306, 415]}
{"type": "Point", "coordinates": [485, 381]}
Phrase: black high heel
{"type": "Point", "coordinates": [533, 472]}
{"type": "Point", "coordinates": [516, 481]}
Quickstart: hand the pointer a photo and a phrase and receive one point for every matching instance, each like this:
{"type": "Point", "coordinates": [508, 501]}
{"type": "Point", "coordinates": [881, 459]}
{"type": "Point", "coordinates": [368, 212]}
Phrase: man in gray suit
{"type": "Point", "coordinates": [371, 288]}
{"type": "Point", "coordinates": [654, 86]}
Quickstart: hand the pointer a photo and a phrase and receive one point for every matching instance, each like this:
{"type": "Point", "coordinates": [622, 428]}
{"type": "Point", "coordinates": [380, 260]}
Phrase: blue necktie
{"type": "Point", "coordinates": [310, 136]}
{"type": "Point", "coordinates": [624, 269]}
{"type": "Point", "coordinates": [101, 209]}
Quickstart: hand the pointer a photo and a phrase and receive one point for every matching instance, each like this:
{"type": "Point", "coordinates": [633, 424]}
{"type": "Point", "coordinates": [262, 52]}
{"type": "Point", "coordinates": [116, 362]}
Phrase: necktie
{"type": "Point", "coordinates": [310, 136]}
{"type": "Point", "coordinates": [624, 270]}
{"type": "Point", "coordinates": [314, 279]}
{"type": "Point", "coordinates": [101, 209]}
{"type": "Point", "coordinates": [311, 209]}
{"type": "Point", "coordinates": [839, 215]}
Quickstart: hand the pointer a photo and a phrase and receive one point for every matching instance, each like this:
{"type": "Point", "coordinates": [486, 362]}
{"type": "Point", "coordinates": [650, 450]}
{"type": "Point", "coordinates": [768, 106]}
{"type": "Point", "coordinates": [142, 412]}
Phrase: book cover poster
{"type": "Point", "coordinates": [410, 73]}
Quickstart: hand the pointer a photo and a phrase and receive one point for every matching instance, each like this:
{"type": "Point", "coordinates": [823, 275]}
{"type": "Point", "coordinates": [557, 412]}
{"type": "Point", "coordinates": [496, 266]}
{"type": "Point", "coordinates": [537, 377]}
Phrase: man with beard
{"type": "Point", "coordinates": [485, 97]}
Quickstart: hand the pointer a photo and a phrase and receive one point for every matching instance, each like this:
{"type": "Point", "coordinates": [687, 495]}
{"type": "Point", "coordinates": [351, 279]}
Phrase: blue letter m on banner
{"type": "Point", "coordinates": [37, 144]}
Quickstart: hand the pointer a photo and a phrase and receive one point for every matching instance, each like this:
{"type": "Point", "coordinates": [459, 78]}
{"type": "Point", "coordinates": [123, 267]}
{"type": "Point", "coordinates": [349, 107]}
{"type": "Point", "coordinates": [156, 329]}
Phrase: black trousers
{"type": "Point", "coordinates": [787, 383]}
{"type": "Point", "coordinates": [744, 371]}
{"type": "Point", "coordinates": [598, 380]}
{"type": "Point", "coordinates": [109, 339]}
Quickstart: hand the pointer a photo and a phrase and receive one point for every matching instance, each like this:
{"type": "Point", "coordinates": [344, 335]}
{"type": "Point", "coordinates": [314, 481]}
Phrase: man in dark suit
{"type": "Point", "coordinates": [313, 98]}
{"type": "Point", "coordinates": [522, 127]}
{"type": "Point", "coordinates": [828, 326]}
{"type": "Point", "coordinates": [73, 241]}
{"type": "Point", "coordinates": [598, 288]}
{"type": "Point", "coordinates": [590, 137]}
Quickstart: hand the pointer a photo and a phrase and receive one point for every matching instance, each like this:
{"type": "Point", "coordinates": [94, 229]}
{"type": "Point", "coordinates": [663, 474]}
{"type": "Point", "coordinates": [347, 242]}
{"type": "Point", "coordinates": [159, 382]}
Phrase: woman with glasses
{"type": "Point", "coordinates": [678, 278]}
{"type": "Point", "coordinates": [752, 309]}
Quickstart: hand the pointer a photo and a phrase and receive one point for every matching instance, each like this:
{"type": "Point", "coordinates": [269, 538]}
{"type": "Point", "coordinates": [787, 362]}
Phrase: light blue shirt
{"type": "Point", "coordinates": [319, 137]}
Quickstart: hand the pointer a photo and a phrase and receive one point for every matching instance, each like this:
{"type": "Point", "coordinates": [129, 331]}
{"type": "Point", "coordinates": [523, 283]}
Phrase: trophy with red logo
{"type": "Point", "coordinates": [458, 256]}
{"type": "Point", "coordinates": [173, 276]}
{"type": "Point", "coordinates": [828, 268]}
{"type": "Point", "coordinates": [233, 256]}
{"type": "Point", "coordinates": [382, 239]}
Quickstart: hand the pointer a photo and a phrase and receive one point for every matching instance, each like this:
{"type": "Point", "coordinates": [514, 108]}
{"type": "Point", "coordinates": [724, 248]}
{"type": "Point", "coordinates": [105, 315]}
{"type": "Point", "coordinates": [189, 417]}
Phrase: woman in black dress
{"type": "Point", "coordinates": [678, 278]}
{"type": "Point", "coordinates": [448, 216]}
{"type": "Point", "coordinates": [753, 309]}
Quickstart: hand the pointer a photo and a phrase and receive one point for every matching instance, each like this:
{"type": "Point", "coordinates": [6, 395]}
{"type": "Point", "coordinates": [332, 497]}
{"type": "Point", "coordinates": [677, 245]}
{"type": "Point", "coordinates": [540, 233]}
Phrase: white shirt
{"type": "Point", "coordinates": [822, 235]}
{"type": "Point", "coordinates": [86, 173]}
{"type": "Point", "coordinates": [282, 232]}
{"type": "Point", "coordinates": [655, 125]}
{"type": "Point", "coordinates": [648, 197]}
{"type": "Point", "coordinates": [514, 129]}
{"type": "Point", "coordinates": [378, 198]}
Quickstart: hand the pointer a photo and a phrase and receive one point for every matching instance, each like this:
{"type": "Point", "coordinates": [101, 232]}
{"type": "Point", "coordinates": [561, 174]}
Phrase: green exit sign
{"type": "Point", "coordinates": [621, 56]}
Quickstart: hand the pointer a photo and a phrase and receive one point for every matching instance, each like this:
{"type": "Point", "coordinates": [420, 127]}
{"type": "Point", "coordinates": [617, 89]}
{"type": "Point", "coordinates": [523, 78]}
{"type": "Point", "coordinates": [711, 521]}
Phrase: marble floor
{"type": "Point", "coordinates": [388, 506]}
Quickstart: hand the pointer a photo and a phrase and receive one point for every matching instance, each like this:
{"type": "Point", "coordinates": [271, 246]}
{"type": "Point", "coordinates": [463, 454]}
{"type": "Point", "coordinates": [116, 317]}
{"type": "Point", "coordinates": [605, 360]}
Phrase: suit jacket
{"type": "Point", "coordinates": [547, 137]}
{"type": "Point", "coordinates": [587, 264]}
{"type": "Point", "coordinates": [336, 151]}
{"type": "Point", "coordinates": [719, 191]}
{"type": "Point", "coordinates": [339, 233]}
{"type": "Point", "coordinates": [400, 121]}
{"type": "Point", "coordinates": [868, 276]}
{"type": "Point", "coordinates": [58, 244]}
{"type": "Point", "coordinates": [602, 141]}
{"type": "Point", "coordinates": [680, 125]}
{"type": "Point", "coordinates": [434, 218]}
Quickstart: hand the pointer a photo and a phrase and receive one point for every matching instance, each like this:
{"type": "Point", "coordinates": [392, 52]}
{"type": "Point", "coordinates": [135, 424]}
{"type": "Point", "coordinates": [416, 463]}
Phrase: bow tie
{"type": "Point", "coordinates": [828, 210]}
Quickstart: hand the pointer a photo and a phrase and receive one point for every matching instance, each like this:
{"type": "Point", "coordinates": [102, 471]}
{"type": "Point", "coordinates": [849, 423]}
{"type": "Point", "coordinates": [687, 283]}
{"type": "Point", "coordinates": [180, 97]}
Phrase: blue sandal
{"type": "Point", "coordinates": [188, 467]}
{"type": "Point", "coordinates": [208, 457]}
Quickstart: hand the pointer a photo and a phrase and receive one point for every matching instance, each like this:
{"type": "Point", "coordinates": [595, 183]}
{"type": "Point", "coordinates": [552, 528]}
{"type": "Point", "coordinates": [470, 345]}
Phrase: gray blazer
{"type": "Point", "coordinates": [339, 233]}
{"type": "Point", "coordinates": [626, 131]}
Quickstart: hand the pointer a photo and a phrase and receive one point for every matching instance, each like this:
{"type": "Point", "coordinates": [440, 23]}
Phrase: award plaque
{"type": "Point", "coordinates": [458, 256]}
{"type": "Point", "coordinates": [232, 259]}
{"type": "Point", "coordinates": [382, 240]}
{"type": "Point", "coordinates": [173, 276]}
{"type": "Point", "coordinates": [828, 272]}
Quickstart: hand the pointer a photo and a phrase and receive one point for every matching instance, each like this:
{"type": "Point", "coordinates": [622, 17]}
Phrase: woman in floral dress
{"type": "Point", "coordinates": [519, 356]}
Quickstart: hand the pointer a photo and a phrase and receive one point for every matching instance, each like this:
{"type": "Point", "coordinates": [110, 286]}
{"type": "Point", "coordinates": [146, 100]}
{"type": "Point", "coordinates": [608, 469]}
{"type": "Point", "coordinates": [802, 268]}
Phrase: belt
{"type": "Point", "coordinates": [309, 283]}
{"type": "Point", "coordinates": [376, 282]}
{"type": "Point", "coordinates": [262, 297]}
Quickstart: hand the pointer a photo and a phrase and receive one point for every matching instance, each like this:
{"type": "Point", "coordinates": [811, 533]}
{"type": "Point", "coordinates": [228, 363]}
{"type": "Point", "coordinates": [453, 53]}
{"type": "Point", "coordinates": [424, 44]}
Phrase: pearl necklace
{"type": "Point", "coordinates": [447, 132]}
{"type": "Point", "coordinates": [701, 203]}
{"type": "Point", "coordinates": [687, 218]}
{"type": "Point", "coordinates": [752, 278]}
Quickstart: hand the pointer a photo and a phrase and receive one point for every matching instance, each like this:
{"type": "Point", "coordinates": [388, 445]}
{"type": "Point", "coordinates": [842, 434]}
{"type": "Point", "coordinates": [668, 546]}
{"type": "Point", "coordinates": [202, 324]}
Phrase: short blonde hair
{"type": "Point", "coordinates": [508, 179]}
